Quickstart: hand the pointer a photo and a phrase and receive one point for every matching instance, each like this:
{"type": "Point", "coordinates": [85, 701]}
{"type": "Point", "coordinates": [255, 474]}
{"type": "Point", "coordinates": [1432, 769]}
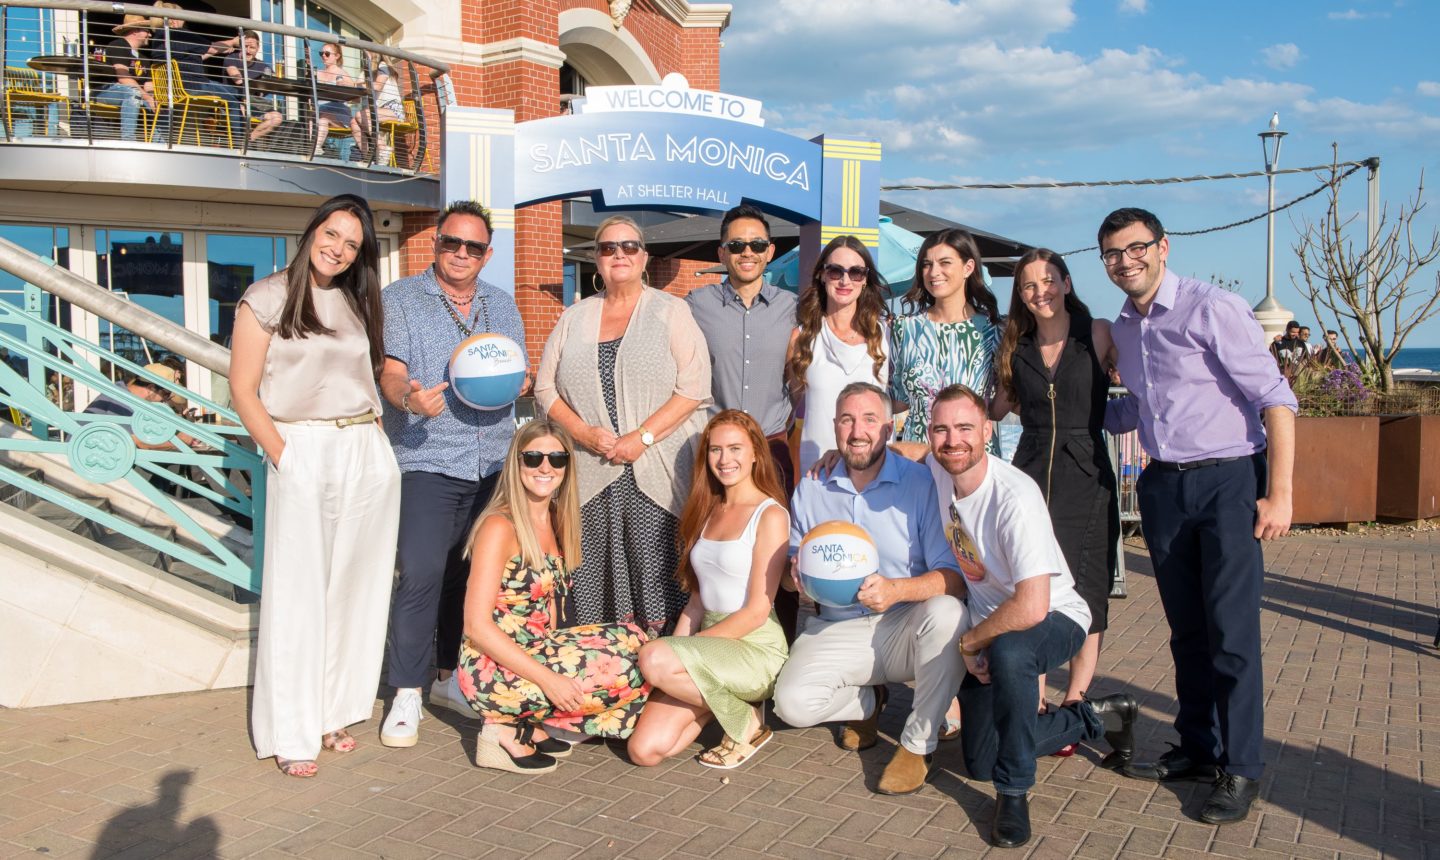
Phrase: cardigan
{"type": "Point", "coordinates": [663, 354]}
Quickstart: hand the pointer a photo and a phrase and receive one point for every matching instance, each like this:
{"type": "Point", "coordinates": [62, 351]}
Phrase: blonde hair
{"type": "Point", "coordinates": [508, 500]}
{"type": "Point", "coordinates": [627, 221]}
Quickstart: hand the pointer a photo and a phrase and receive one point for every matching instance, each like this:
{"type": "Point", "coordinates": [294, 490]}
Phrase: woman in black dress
{"type": "Point", "coordinates": [1053, 367]}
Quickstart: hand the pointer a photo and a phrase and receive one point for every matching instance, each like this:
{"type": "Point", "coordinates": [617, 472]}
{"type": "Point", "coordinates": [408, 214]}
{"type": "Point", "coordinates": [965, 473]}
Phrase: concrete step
{"type": "Point", "coordinates": [210, 582]}
{"type": "Point", "coordinates": [144, 554]}
{"type": "Point", "coordinates": [63, 517]}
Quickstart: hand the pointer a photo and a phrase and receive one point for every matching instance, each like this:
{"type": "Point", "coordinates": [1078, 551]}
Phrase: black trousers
{"type": "Point", "coordinates": [1200, 527]}
{"type": "Point", "coordinates": [427, 611]}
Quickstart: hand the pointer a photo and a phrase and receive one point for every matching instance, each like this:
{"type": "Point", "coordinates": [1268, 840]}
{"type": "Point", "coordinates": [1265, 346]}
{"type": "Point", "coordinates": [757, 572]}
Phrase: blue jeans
{"type": "Point", "coordinates": [212, 88]}
{"type": "Point", "coordinates": [1001, 731]}
{"type": "Point", "coordinates": [130, 102]}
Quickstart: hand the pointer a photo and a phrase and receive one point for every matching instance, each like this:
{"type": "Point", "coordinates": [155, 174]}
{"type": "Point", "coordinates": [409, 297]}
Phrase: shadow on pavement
{"type": "Point", "coordinates": [153, 829]}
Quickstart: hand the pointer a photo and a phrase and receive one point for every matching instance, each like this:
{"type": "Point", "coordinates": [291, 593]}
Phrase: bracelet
{"type": "Point", "coordinates": [968, 653]}
{"type": "Point", "coordinates": [405, 403]}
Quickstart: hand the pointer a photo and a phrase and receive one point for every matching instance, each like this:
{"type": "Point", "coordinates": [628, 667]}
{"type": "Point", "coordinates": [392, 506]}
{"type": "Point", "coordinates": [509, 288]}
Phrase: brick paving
{"type": "Point", "coordinates": [1352, 744]}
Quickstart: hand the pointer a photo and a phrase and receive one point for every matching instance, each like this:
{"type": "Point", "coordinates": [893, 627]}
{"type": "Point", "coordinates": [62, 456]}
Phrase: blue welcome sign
{"type": "Point", "coordinates": [663, 147]}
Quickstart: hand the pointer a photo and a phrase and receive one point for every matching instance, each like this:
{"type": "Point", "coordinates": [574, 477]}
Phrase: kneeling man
{"type": "Point", "coordinates": [1025, 618]}
{"type": "Point", "coordinates": [908, 618]}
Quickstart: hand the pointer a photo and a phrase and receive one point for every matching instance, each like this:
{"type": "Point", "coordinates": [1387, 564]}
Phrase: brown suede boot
{"type": "Point", "coordinates": [859, 735]}
{"type": "Point", "coordinates": [905, 774]}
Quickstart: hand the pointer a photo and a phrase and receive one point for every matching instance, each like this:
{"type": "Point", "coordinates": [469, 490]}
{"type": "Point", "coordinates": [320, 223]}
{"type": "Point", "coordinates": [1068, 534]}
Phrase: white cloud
{"type": "Point", "coordinates": [1390, 119]}
{"type": "Point", "coordinates": [1134, 7]}
{"type": "Point", "coordinates": [1355, 15]}
{"type": "Point", "coordinates": [1282, 56]}
{"type": "Point", "coordinates": [1428, 88]}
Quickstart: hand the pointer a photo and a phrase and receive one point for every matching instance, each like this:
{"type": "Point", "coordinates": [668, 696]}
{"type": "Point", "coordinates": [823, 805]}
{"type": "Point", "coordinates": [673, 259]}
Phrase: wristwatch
{"type": "Point", "coordinates": [646, 437]}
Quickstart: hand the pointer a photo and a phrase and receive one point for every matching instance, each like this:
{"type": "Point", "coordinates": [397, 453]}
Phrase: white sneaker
{"type": "Point", "coordinates": [402, 724]}
{"type": "Point", "coordinates": [446, 694]}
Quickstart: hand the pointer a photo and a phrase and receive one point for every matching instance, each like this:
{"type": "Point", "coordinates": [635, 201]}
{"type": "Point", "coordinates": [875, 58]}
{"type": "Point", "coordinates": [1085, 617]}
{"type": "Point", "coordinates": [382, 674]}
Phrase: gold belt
{"type": "Point", "coordinates": [362, 418]}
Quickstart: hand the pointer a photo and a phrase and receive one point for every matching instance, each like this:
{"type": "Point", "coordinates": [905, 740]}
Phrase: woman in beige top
{"type": "Point", "coordinates": [307, 349]}
{"type": "Point", "coordinates": [627, 373]}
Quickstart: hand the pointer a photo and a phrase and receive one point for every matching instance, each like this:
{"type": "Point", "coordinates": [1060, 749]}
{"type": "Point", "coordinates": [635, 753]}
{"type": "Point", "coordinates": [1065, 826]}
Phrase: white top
{"type": "Point", "coordinates": [723, 567]}
{"type": "Point", "coordinates": [1001, 534]}
{"type": "Point", "coordinates": [835, 364]}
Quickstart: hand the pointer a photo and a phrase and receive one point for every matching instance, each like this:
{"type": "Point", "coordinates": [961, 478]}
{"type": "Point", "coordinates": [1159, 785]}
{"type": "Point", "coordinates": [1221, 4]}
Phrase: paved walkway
{"type": "Point", "coordinates": [1354, 767]}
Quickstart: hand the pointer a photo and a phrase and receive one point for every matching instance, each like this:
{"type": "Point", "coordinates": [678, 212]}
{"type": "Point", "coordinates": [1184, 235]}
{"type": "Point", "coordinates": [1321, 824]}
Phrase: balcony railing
{"type": "Point", "coordinates": [282, 99]}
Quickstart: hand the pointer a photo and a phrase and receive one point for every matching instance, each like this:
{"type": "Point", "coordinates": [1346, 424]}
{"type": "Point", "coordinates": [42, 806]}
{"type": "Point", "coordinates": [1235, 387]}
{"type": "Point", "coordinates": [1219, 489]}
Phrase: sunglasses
{"type": "Point", "coordinates": [737, 246]}
{"type": "Point", "coordinates": [834, 273]}
{"type": "Point", "coordinates": [328, 54]}
{"type": "Point", "coordinates": [532, 459]}
{"type": "Point", "coordinates": [629, 246]}
{"type": "Point", "coordinates": [453, 244]}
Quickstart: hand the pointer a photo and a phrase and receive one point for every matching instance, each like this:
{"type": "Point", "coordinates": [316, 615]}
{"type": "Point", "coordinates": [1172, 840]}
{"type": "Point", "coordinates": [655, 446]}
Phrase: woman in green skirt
{"type": "Point", "coordinates": [727, 647]}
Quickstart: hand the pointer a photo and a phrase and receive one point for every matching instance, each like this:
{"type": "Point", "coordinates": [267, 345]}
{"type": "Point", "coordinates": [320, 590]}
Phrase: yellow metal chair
{"type": "Point", "coordinates": [170, 92]}
{"type": "Point", "coordinates": [28, 88]}
{"type": "Point", "coordinates": [112, 113]}
{"type": "Point", "coordinates": [393, 127]}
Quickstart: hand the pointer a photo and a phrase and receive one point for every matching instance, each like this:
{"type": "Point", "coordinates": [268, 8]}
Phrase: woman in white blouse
{"type": "Point", "coordinates": [841, 337]}
{"type": "Point", "coordinates": [308, 346]}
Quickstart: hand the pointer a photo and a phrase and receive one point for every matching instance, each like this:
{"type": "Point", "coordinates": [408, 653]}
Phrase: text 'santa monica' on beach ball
{"type": "Point", "coordinates": [487, 371]}
{"type": "Point", "coordinates": [835, 557]}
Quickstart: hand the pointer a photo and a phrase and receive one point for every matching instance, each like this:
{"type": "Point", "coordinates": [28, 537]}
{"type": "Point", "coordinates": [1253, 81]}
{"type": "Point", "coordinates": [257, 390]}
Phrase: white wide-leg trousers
{"type": "Point", "coordinates": [331, 518]}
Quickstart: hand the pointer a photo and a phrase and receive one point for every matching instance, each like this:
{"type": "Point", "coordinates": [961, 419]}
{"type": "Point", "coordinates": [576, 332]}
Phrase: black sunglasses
{"type": "Point", "coordinates": [453, 244]}
{"type": "Point", "coordinates": [532, 459]}
{"type": "Point", "coordinates": [834, 273]}
{"type": "Point", "coordinates": [629, 246]}
{"type": "Point", "coordinates": [737, 246]}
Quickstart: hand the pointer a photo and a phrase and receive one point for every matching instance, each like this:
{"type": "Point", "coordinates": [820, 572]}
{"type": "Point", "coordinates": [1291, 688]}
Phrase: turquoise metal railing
{"type": "Point", "coordinates": [102, 450]}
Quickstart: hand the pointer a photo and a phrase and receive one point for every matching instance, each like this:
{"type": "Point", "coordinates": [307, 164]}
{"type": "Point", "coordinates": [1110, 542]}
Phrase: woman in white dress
{"type": "Point", "coordinates": [308, 346]}
{"type": "Point", "coordinates": [728, 646]}
{"type": "Point", "coordinates": [841, 337]}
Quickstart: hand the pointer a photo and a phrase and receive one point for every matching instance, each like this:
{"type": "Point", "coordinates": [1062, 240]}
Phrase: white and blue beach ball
{"type": "Point", "coordinates": [835, 557]}
{"type": "Point", "coordinates": [487, 371]}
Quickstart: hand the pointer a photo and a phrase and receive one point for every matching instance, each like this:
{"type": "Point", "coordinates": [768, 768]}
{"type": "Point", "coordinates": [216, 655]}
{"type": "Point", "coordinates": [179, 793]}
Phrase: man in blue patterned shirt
{"type": "Point", "coordinates": [449, 454]}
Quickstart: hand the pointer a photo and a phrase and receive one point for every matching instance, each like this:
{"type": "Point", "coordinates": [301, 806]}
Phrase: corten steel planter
{"type": "Point", "coordinates": [1409, 467]}
{"type": "Point", "coordinates": [1335, 469]}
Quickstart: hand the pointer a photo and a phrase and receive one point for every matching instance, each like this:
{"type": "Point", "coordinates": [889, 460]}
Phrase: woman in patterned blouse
{"type": "Point", "coordinates": [947, 335]}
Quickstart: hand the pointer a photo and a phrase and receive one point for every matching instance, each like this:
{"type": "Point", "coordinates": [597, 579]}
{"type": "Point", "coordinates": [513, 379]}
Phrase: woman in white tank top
{"type": "Point", "coordinates": [727, 647]}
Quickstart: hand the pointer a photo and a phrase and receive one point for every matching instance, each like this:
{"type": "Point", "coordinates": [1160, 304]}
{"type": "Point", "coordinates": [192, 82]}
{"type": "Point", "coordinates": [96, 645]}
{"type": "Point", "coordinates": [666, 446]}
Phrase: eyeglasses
{"type": "Point", "coordinates": [629, 246]}
{"type": "Point", "coordinates": [1134, 251]}
{"type": "Point", "coordinates": [453, 244]}
{"type": "Point", "coordinates": [328, 54]}
{"type": "Point", "coordinates": [738, 246]}
{"type": "Point", "coordinates": [835, 273]}
{"type": "Point", "coordinates": [532, 459]}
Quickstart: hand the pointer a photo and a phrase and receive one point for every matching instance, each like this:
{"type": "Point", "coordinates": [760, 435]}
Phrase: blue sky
{"type": "Point", "coordinates": [1038, 90]}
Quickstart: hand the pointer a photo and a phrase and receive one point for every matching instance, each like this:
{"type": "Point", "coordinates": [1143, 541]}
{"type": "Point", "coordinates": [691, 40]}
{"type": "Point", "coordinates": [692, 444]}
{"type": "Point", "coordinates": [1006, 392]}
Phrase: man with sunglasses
{"type": "Point", "coordinates": [1218, 421]}
{"type": "Point", "coordinates": [450, 456]}
{"type": "Point", "coordinates": [747, 324]}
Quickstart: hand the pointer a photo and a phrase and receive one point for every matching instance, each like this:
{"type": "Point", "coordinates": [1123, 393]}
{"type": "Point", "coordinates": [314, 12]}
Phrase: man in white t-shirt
{"type": "Point", "coordinates": [1025, 618]}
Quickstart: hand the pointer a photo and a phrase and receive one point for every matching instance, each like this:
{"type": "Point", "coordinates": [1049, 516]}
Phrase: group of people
{"type": "Point", "coordinates": [122, 75]}
{"type": "Point", "coordinates": [1294, 352]}
{"type": "Point", "coordinates": [622, 566]}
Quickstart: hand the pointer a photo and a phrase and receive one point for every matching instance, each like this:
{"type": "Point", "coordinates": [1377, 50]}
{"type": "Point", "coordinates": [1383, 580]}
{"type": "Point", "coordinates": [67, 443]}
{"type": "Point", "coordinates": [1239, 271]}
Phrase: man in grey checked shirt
{"type": "Point", "coordinates": [747, 325]}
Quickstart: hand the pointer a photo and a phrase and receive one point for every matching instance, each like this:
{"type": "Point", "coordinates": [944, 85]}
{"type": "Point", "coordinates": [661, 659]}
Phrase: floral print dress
{"type": "Point", "coordinates": [601, 656]}
{"type": "Point", "coordinates": [926, 356]}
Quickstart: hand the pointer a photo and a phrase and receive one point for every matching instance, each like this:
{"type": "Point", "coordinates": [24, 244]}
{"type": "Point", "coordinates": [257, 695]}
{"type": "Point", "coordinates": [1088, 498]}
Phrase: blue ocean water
{"type": "Point", "coordinates": [1421, 358]}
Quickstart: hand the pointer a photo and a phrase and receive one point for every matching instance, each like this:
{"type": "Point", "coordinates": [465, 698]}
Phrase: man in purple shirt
{"type": "Point", "coordinates": [1215, 416]}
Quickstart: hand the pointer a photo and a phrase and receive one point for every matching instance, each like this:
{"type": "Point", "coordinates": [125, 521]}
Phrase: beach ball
{"type": "Point", "coordinates": [835, 557]}
{"type": "Point", "coordinates": [487, 371]}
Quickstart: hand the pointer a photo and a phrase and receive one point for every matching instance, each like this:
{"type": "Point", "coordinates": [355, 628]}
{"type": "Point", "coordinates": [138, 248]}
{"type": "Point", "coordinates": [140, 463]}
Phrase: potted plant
{"type": "Point", "coordinates": [1337, 443]}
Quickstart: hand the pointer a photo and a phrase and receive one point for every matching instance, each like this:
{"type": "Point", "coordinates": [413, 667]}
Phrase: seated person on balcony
{"type": "Point", "coordinates": [391, 108]}
{"type": "Point", "coordinates": [189, 51]}
{"type": "Point", "coordinates": [238, 68]}
{"type": "Point", "coordinates": [123, 73]}
{"type": "Point", "coordinates": [334, 113]}
{"type": "Point", "coordinates": [107, 404]}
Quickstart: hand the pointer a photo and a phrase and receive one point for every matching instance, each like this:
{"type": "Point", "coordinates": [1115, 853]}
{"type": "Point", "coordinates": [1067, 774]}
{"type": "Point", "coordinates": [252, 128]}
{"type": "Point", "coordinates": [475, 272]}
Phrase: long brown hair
{"type": "Point", "coordinates": [870, 313]}
{"type": "Point", "coordinates": [1022, 322]}
{"type": "Point", "coordinates": [508, 499]}
{"type": "Point", "coordinates": [707, 493]}
{"type": "Point", "coordinates": [918, 299]}
{"type": "Point", "coordinates": [359, 283]}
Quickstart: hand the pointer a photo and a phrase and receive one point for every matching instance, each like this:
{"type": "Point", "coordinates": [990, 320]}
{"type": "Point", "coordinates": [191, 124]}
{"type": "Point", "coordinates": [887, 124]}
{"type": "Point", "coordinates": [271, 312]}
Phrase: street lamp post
{"type": "Point", "coordinates": [1270, 313]}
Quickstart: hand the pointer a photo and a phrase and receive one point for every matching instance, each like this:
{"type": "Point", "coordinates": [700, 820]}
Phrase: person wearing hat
{"type": "Point", "coordinates": [124, 73]}
{"type": "Point", "coordinates": [151, 392]}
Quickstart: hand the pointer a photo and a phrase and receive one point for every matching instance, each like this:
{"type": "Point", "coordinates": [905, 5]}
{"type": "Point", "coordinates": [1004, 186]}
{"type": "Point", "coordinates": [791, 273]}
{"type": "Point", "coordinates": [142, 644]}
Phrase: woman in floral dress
{"type": "Point", "coordinates": [516, 669]}
{"type": "Point", "coordinates": [947, 335]}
